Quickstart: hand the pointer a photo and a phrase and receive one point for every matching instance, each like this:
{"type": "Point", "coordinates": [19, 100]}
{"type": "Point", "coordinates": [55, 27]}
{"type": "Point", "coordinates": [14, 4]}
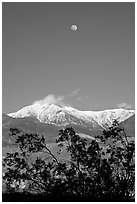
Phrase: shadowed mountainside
{"type": "Point", "coordinates": [50, 131]}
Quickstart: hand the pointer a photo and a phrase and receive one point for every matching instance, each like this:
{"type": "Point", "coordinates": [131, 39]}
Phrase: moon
{"type": "Point", "coordinates": [74, 27]}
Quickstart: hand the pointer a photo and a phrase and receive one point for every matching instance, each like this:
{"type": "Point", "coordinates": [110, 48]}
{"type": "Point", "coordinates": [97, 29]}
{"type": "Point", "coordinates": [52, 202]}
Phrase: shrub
{"type": "Point", "coordinates": [102, 170]}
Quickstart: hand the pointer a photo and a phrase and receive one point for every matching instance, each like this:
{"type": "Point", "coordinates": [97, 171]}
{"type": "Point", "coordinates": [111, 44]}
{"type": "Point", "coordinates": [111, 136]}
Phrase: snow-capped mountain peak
{"type": "Point", "coordinates": [63, 115]}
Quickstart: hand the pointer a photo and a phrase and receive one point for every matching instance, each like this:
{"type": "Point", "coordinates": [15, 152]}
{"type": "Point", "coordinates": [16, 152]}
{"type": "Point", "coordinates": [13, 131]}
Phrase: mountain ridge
{"type": "Point", "coordinates": [64, 115]}
{"type": "Point", "coordinates": [88, 124]}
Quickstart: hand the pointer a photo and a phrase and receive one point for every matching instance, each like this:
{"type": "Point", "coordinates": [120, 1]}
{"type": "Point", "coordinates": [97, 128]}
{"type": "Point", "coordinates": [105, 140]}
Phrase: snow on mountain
{"type": "Point", "coordinates": [64, 115]}
{"type": "Point", "coordinates": [28, 111]}
{"type": "Point", "coordinates": [106, 117]}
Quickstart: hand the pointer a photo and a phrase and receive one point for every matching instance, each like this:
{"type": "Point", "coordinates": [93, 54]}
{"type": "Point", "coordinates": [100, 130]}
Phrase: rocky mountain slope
{"type": "Point", "coordinates": [50, 131]}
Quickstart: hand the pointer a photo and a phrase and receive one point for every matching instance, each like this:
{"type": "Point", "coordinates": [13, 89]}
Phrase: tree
{"type": "Point", "coordinates": [102, 170]}
{"type": "Point", "coordinates": [35, 176]}
{"type": "Point", "coordinates": [120, 154]}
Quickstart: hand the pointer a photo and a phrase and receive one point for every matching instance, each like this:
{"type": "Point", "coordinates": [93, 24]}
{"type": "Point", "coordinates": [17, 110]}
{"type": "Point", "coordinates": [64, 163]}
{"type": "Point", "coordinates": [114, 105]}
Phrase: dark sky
{"type": "Point", "coordinates": [93, 66]}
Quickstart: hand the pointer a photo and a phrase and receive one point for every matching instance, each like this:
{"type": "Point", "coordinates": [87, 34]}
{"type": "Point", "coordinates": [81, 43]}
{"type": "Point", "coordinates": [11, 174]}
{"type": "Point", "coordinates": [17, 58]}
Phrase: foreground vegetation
{"type": "Point", "coordinates": [102, 170]}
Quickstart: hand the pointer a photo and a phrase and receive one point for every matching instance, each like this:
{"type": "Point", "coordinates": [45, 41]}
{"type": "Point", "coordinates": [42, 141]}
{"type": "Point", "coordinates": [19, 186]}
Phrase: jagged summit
{"type": "Point", "coordinates": [58, 114]}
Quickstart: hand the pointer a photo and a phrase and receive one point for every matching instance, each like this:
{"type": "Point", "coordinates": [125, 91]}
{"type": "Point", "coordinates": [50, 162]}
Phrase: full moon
{"type": "Point", "coordinates": [74, 27]}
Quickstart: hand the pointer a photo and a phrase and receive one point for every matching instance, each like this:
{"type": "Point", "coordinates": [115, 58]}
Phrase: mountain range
{"type": "Point", "coordinates": [47, 119]}
{"type": "Point", "coordinates": [64, 115]}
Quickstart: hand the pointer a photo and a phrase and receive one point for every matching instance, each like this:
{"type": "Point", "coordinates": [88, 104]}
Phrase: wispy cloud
{"type": "Point", "coordinates": [59, 100]}
{"type": "Point", "coordinates": [74, 93]}
{"type": "Point", "coordinates": [50, 99]}
{"type": "Point", "coordinates": [124, 105]}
